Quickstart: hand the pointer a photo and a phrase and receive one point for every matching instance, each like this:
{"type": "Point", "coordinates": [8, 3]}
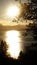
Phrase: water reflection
{"type": "Point", "coordinates": [13, 41]}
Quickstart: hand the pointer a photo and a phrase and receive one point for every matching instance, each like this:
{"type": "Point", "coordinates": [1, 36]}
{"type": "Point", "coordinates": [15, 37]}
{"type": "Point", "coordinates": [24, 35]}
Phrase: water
{"type": "Point", "coordinates": [16, 41]}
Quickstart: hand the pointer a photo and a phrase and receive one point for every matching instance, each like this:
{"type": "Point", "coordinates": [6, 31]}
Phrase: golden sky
{"type": "Point", "coordinates": [4, 5]}
{"type": "Point", "coordinates": [6, 22]}
{"type": "Point", "coordinates": [10, 23]}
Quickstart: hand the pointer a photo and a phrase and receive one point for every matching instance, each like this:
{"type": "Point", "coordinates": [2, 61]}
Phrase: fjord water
{"type": "Point", "coordinates": [16, 41]}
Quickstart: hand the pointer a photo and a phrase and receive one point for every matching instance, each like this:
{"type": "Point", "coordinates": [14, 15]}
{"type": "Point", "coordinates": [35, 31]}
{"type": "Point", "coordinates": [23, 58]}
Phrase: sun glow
{"type": "Point", "coordinates": [13, 44]}
{"type": "Point", "coordinates": [13, 11]}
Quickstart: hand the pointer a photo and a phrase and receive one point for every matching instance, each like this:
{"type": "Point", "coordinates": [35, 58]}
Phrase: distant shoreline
{"type": "Point", "coordinates": [17, 27]}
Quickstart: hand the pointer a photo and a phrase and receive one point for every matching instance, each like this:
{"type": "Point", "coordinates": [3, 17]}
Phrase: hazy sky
{"type": "Point", "coordinates": [4, 4]}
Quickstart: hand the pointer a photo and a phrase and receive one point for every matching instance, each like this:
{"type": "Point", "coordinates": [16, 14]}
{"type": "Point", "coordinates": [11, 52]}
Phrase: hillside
{"type": "Point", "coordinates": [17, 27]}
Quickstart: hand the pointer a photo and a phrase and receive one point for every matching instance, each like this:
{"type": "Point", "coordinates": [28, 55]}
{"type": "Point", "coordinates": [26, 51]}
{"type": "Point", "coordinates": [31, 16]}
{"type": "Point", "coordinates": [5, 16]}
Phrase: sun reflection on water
{"type": "Point", "coordinates": [13, 42]}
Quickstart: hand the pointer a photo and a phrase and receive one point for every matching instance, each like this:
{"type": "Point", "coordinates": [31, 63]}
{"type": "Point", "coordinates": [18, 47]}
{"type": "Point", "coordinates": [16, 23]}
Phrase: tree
{"type": "Point", "coordinates": [33, 10]}
{"type": "Point", "coordinates": [3, 48]}
{"type": "Point", "coordinates": [28, 11]}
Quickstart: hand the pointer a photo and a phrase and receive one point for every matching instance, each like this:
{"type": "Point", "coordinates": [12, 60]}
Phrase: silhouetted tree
{"type": "Point", "coordinates": [3, 48]}
{"type": "Point", "coordinates": [33, 10]}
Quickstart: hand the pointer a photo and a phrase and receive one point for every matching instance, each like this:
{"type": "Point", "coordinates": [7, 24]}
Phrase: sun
{"type": "Point", "coordinates": [13, 11]}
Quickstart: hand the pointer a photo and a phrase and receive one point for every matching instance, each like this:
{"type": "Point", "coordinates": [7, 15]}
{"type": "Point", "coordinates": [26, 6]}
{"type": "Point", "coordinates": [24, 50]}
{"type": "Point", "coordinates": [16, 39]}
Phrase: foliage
{"type": "Point", "coordinates": [3, 47]}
